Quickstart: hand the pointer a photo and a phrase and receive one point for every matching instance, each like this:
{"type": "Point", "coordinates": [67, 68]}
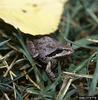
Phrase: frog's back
{"type": "Point", "coordinates": [45, 45]}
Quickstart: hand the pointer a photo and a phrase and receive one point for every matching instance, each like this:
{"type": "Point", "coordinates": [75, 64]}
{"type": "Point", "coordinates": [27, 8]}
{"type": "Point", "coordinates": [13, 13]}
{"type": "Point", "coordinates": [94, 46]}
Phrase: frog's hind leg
{"type": "Point", "coordinates": [32, 49]}
{"type": "Point", "coordinates": [49, 71]}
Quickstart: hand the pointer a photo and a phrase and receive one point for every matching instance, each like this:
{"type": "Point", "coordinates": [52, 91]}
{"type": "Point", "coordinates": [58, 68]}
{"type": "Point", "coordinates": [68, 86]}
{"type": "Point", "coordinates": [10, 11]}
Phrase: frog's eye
{"type": "Point", "coordinates": [68, 44]}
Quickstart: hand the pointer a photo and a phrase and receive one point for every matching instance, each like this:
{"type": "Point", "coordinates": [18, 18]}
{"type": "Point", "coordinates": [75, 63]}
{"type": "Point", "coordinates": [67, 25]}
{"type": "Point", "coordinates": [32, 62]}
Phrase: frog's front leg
{"type": "Point", "coordinates": [49, 67]}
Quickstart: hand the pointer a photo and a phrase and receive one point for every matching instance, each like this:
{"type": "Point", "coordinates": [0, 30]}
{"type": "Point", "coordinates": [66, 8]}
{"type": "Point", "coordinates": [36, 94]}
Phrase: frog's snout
{"type": "Point", "coordinates": [69, 51]}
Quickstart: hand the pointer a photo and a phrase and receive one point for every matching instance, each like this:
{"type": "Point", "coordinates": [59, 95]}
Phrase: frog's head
{"type": "Point", "coordinates": [62, 51]}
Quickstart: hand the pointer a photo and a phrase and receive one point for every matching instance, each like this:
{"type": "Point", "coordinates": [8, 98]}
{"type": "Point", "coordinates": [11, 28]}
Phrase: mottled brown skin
{"type": "Point", "coordinates": [47, 50]}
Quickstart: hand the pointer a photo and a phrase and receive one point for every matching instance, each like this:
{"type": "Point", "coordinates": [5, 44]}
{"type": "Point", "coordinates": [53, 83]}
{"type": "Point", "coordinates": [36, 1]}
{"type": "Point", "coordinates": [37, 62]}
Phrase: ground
{"type": "Point", "coordinates": [22, 78]}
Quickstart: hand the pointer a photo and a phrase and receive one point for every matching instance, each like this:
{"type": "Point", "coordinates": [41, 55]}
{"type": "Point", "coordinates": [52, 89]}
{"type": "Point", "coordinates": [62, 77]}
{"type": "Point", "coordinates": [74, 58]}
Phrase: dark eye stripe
{"type": "Point", "coordinates": [55, 52]}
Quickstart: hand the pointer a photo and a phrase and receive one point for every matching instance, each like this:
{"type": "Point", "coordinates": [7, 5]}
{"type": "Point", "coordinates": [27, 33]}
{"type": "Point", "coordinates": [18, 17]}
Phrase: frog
{"type": "Point", "coordinates": [47, 50]}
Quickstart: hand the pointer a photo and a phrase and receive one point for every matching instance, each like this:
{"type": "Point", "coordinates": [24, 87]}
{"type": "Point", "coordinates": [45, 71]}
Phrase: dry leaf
{"type": "Point", "coordinates": [36, 17]}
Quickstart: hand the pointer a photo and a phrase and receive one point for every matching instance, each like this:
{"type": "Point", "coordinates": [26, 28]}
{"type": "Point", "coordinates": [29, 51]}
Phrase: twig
{"type": "Point", "coordinates": [28, 77]}
{"type": "Point", "coordinates": [64, 88]}
{"type": "Point", "coordinates": [77, 75]}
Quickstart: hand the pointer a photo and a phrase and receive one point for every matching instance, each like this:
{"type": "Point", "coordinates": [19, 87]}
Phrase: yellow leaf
{"type": "Point", "coordinates": [36, 17]}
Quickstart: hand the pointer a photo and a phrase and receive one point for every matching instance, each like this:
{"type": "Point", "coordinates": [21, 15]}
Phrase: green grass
{"type": "Point", "coordinates": [22, 78]}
